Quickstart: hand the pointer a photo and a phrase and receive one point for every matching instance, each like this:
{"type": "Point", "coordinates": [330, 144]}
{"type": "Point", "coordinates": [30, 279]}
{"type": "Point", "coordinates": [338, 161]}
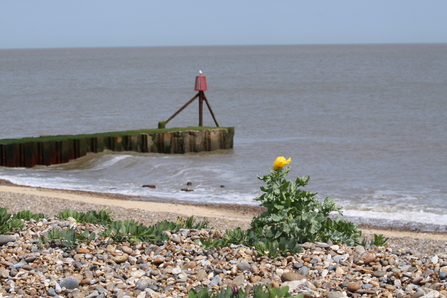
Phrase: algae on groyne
{"type": "Point", "coordinates": [48, 150]}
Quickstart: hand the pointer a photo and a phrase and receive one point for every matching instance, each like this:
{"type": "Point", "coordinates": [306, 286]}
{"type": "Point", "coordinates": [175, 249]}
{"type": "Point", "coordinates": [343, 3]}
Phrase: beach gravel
{"type": "Point", "coordinates": [406, 267]}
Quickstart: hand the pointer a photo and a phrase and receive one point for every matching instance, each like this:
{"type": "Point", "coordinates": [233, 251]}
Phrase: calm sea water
{"type": "Point", "coordinates": [366, 122]}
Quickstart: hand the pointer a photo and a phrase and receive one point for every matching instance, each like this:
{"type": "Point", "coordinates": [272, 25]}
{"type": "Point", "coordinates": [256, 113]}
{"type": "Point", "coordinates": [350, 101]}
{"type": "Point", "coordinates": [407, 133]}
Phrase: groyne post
{"type": "Point", "coordinates": [48, 152]}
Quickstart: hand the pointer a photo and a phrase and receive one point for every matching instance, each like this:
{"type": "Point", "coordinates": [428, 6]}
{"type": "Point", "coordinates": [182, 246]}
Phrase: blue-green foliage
{"type": "Point", "coordinates": [296, 214]}
{"type": "Point", "coordinates": [102, 217]}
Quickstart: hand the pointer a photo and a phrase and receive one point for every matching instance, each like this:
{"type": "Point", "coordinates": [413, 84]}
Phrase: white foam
{"type": "Point", "coordinates": [107, 161]}
{"type": "Point", "coordinates": [405, 215]}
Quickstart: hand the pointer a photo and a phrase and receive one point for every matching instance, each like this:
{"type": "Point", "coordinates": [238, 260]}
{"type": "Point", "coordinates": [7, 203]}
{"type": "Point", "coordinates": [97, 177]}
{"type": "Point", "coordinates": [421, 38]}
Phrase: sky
{"type": "Point", "coordinates": [135, 23]}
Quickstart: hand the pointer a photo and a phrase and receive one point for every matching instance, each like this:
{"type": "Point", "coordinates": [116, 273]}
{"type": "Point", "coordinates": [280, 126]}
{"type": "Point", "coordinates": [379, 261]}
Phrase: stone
{"type": "Point", "coordinates": [201, 275]}
{"type": "Point", "coordinates": [176, 271]}
{"type": "Point", "coordinates": [294, 285]}
{"type": "Point", "coordinates": [120, 259]}
{"type": "Point", "coordinates": [432, 294]}
{"type": "Point", "coordinates": [242, 266]}
{"type": "Point", "coordinates": [70, 283]}
{"type": "Point", "coordinates": [158, 260]}
{"type": "Point", "coordinates": [82, 250]}
{"type": "Point", "coordinates": [368, 258]}
{"type": "Point", "coordinates": [335, 294]}
{"type": "Point", "coordinates": [127, 250]}
{"type": "Point", "coordinates": [434, 259]}
{"type": "Point", "coordinates": [419, 293]}
{"type": "Point", "coordinates": [239, 280]}
{"type": "Point", "coordinates": [176, 238]}
{"type": "Point", "coordinates": [138, 273]}
{"type": "Point", "coordinates": [417, 280]}
{"type": "Point", "coordinates": [290, 276]}
{"type": "Point", "coordinates": [4, 273]}
{"type": "Point", "coordinates": [354, 286]}
{"type": "Point", "coordinates": [254, 269]}
{"type": "Point", "coordinates": [4, 239]}
{"type": "Point", "coordinates": [216, 281]}
{"type": "Point", "coordinates": [304, 271]}
{"type": "Point", "coordinates": [85, 281]}
{"type": "Point", "coordinates": [52, 292]}
{"type": "Point", "coordinates": [18, 265]}
{"type": "Point", "coordinates": [149, 186]}
{"type": "Point", "coordinates": [189, 265]}
{"type": "Point", "coordinates": [321, 245]}
{"type": "Point", "coordinates": [379, 273]}
{"type": "Point", "coordinates": [443, 275]}
{"type": "Point", "coordinates": [142, 284]}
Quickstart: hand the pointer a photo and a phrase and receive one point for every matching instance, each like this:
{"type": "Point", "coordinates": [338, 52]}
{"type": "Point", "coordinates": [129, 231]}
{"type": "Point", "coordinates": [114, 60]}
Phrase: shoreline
{"type": "Point", "coordinates": [241, 214]}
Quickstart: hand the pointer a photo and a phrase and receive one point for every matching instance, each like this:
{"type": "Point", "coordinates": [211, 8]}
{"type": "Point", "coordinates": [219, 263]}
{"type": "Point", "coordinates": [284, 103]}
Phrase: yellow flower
{"type": "Point", "coordinates": [281, 162]}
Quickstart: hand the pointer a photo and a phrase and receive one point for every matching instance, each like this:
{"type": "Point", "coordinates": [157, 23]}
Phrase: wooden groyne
{"type": "Point", "coordinates": [49, 150]}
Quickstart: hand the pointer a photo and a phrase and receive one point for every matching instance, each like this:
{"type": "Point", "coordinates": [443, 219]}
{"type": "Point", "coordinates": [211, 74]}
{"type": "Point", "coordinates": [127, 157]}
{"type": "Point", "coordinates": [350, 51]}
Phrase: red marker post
{"type": "Point", "coordinates": [200, 86]}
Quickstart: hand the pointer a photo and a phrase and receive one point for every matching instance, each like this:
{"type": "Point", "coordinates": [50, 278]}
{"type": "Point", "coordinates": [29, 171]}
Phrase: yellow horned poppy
{"type": "Point", "coordinates": [281, 162]}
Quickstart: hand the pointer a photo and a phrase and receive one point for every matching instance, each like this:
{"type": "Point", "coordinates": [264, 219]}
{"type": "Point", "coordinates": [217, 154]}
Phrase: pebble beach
{"type": "Point", "coordinates": [411, 265]}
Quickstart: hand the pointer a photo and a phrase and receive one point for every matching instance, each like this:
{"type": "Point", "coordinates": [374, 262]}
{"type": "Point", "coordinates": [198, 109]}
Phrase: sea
{"type": "Point", "coordinates": [367, 123]}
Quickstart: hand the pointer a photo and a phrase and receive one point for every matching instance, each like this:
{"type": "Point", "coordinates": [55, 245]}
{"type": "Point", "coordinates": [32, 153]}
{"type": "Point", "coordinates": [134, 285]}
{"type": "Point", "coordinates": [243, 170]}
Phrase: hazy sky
{"type": "Point", "coordinates": [112, 23]}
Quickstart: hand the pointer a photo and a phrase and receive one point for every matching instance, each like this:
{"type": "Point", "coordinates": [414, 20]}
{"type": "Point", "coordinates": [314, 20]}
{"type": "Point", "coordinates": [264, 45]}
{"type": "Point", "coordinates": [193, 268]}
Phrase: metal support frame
{"type": "Point", "coordinates": [202, 98]}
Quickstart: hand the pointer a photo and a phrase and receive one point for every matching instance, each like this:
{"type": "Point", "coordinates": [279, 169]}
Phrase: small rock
{"type": "Point", "coordinates": [52, 292]}
{"type": "Point", "coordinates": [201, 275]}
{"type": "Point", "coordinates": [189, 265]}
{"type": "Point", "coordinates": [294, 285]}
{"type": "Point", "coordinates": [120, 259]}
{"type": "Point", "coordinates": [4, 273]}
{"type": "Point", "coordinates": [82, 250]}
{"type": "Point", "coordinates": [368, 258]}
{"type": "Point", "coordinates": [432, 294]}
{"type": "Point", "coordinates": [85, 281]}
{"type": "Point", "coordinates": [435, 259]}
{"type": "Point", "coordinates": [70, 283]}
{"type": "Point", "coordinates": [239, 280]}
{"type": "Point", "coordinates": [304, 271]}
{"type": "Point", "coordinates": [126, 249]}
{"type": "Point", "coordinates": [289, 276]}
{"type": "Point", "coordinates": [216, 281]}
{"type": "Point", "coordinates": [158, 260]}
{"type": "Point", "coordinates": [18, 265]}
{"type": "Point", "coordinates": [149, 186]}
{"type": "Point", "coordinates": [242, 266]}
{"type": "Point", "coordinates": [379, 273]}
{"type": "Point", "coordinates": [443, 275]}
{"type": "Point", "coordinates": [4, 239]}
{"type": "Point", "coordinates": [321, 244]}
{"type": "Point", "coordinates": [354, 286]}
{"type": "Point", "coordinates": [417, 280]}
{"type": "Point", "coordinates": [419, 293]}
{"type": "Point", "coordinates": [142, 284]}
{"type": "Point", "coordinates": [138, 273]}
{"type": "Point", "coordinates": [336, 294]}
{"type": "Point", "coordinates": [176, 238]}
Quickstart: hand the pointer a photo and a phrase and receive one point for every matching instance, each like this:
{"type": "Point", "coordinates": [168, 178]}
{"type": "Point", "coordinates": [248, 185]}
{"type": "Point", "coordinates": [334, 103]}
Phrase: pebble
{"type": "Point", "coordinates": [4, 239]}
